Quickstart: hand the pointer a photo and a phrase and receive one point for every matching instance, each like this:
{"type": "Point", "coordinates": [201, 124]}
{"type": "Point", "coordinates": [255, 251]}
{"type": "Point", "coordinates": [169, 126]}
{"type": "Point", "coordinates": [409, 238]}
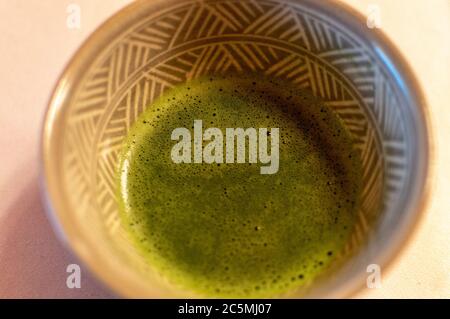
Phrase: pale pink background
{"type": "Point", "coordinates": [35, 44]}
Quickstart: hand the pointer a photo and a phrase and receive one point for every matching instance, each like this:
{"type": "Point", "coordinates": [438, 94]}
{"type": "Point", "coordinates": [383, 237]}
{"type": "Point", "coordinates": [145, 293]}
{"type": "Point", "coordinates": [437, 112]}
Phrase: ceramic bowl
{"type": "Point", "coordinates": [151, 46]}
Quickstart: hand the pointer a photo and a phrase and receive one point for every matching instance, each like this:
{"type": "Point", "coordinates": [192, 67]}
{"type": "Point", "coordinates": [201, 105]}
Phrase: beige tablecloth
{"type": "Point", "coordinates": [35, 44]}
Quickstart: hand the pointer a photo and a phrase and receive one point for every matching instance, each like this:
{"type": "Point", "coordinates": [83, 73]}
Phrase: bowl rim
{"type": "Point", "coordinates": [51, 190]}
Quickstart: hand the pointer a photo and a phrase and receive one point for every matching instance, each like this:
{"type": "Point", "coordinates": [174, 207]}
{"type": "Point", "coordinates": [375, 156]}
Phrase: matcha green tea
{"type": "Point", "coordinates": [224, 229]}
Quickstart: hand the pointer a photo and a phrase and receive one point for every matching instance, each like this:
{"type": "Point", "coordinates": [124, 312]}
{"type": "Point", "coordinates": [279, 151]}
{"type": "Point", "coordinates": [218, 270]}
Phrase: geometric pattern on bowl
{"type": "Point", "coordinates": [187, 39]}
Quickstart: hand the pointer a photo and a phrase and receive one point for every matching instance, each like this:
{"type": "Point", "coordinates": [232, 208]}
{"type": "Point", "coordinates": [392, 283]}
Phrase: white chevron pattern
{"type": "Point", "coordinates": [276, 37]}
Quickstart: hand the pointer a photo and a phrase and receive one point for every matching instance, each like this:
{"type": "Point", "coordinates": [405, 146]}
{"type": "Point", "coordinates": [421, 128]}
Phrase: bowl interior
{"type": "Point", "coordinates": [153, 46]}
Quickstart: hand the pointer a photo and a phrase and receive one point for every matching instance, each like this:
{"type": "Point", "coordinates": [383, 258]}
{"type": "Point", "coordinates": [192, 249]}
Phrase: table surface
{"type": "Point", "coordinates": [35, 46]}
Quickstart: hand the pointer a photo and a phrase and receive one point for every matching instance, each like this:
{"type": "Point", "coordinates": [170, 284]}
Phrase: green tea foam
{"type": "Point", "coordinates": [224, 229]}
